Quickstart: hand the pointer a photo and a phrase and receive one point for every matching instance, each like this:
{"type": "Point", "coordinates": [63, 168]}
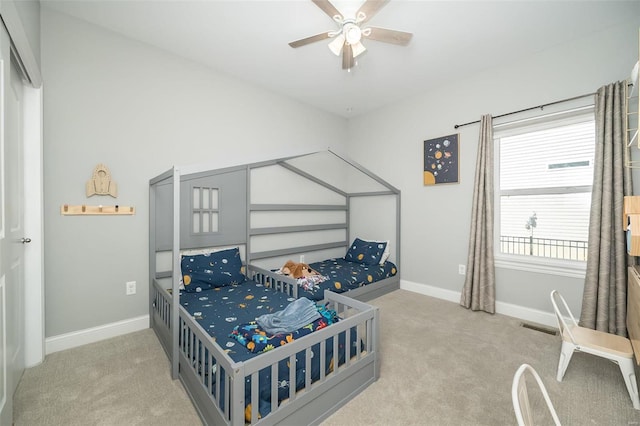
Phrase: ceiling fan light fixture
{"type": "Point", "coordinates": [347, 37]}
{"type": "Point", "coordinates": [352, 33]}
{"type": "Point", "coordinates": [358, 49]}
{"type": "Point", "coordinates": [336, 44]}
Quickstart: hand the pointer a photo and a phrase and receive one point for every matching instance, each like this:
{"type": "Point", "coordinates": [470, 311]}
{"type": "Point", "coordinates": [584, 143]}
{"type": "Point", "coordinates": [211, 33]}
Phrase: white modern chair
{"type": "Point", "coordinates": [606, 345]}
{"type": "Point", "coordinates": [520, 397]}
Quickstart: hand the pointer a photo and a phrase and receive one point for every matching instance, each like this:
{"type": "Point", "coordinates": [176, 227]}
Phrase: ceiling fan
{"type": "Point", "coordinates": [348, 38]}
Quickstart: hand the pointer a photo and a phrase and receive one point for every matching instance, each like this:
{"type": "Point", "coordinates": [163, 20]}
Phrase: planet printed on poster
{"type": "Point", "coordinates": [441, 160]}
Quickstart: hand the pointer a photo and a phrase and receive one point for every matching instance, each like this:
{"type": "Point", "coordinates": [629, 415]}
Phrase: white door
{"type": "Point", "coordinates": [12, 238]}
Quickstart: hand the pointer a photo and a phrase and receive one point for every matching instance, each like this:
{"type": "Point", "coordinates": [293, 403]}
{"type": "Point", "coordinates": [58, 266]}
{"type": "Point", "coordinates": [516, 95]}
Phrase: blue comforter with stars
{"type": "Point", "coordinates": [221, 309]}
{"type": "Point", "coordinates": [344, 275]}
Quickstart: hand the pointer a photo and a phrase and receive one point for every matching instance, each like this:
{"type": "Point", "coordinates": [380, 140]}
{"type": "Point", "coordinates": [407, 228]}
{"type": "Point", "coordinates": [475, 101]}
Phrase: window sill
{"type": "Point", "coordinates": [565, 268]}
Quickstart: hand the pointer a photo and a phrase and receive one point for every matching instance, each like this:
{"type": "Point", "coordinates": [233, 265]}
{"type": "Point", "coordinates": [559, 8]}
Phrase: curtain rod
{"type": "Point", "coordinates": [528, 109]}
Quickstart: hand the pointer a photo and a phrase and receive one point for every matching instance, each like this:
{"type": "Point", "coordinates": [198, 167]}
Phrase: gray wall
{"type": "Point", "coordinates": [29, 12]}
{"type": "Point", "coordinates": [435, 219]}
{"type": "Point", "coordinates": [139, 111]}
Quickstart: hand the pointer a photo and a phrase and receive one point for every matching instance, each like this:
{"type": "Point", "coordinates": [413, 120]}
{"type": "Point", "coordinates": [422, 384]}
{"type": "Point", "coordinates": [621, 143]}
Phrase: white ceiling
{"type": "Point", "coordinates": [451, 40]}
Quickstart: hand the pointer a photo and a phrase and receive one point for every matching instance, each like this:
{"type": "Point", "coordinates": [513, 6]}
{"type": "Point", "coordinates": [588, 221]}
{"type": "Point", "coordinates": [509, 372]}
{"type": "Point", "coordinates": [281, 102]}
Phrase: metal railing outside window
{"type": "Point", "coordinates": [544, 247]}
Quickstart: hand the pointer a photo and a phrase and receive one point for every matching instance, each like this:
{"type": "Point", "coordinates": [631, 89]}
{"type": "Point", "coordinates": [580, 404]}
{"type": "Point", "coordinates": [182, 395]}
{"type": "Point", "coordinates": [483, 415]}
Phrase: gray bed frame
{"type": "Point", "coordinates": [365, 293]}
{"type": "Point", "coordinates": [194, 208]}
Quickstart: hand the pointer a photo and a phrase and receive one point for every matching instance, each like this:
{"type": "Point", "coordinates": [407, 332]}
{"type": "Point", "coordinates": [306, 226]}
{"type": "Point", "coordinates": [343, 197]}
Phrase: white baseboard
{"type": "Point", "coordinates": [95, 334]}
{"type": "Point", "coordinates": [509, 309]}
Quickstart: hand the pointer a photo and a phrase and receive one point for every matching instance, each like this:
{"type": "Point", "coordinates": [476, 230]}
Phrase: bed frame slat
{"type": "Point", "coordinates": [294, 250]}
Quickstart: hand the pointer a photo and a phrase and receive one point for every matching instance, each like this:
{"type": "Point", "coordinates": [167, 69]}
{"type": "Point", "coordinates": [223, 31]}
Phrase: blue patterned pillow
{"type": "Point", "coordinates": [376, 251]}
{"type": "Point", "coordinates": [205, 271]}
{"type": "Point", "coordinates": [366, 252]}
{"type": "Point", "coordinates": [357, 251]}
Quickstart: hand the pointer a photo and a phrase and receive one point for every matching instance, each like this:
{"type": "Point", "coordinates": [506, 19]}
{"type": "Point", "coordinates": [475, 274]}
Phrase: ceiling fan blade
{"type": "Point", "coordinates": [308, 40]}
{"type": "Point", "coordinates": [328, 8]}
{"type": "Point", "coordinates": [389, 36]}
{"type": "Point", "coordinates": [347, 57]}
{"type": "Point", "coordinates": [370, 8]}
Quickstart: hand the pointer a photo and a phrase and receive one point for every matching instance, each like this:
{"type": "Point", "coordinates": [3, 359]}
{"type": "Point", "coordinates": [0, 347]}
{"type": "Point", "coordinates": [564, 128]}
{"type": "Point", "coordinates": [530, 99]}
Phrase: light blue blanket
{"type": "Point", "coordinates": [297, 314]}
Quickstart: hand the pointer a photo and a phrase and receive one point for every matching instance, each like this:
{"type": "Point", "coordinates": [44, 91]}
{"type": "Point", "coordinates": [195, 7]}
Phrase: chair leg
{"type": "Point", "coordinates": [566, 352]}
{"type": "Point", "coordinates": [629, 374]}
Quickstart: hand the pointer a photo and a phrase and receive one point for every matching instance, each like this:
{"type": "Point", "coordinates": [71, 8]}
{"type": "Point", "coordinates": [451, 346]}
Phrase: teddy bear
{"type": "Point", "coordinates": [297, 270]}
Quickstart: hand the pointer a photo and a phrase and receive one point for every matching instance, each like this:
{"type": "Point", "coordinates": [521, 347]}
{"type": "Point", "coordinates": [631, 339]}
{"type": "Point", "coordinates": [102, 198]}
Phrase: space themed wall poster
{"type": "Point", "coordinates": [441, 160]}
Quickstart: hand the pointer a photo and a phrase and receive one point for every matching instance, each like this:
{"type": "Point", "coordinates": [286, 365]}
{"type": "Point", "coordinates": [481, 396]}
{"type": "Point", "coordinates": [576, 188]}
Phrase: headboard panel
{"type": "Point", "coordinates": [212, 211]}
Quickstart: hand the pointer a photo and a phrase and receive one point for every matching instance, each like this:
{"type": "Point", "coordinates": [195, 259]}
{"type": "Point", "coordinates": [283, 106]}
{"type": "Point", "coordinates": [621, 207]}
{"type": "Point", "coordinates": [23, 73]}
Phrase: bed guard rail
{"type": "Point", "coordinates": [221, 383]}
{"type": "Point", "coordinates": [273, 280]}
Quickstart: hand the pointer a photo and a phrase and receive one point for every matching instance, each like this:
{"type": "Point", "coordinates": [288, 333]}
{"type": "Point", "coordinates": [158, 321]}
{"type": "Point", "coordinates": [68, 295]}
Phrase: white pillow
{"type": "Point", "coordinates": [195, 252]}
{"type": "Point", "coordinates": [209, 250]}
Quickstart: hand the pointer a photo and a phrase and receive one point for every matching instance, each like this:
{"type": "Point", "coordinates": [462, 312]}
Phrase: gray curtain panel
{"type": "Point", "coordinates": [478, 293]}
{"type": "Point", "coordinates": [604, 302]}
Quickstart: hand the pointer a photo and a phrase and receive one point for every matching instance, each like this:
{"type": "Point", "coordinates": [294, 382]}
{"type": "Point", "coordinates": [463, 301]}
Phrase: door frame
{"type": "Point", "coordinates": [34, 349]}
{"type": "Point", "coordinates": [34, 346]}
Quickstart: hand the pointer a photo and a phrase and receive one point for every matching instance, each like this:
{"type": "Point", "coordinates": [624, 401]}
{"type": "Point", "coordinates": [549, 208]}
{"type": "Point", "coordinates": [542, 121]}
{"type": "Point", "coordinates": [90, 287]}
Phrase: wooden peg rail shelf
{"type": "Point", "coordinates": [83, 209]}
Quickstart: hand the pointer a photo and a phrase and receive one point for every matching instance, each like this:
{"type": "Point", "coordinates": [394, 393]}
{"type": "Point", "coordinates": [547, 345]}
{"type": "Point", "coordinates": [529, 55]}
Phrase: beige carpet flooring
{"type": "Point", "coordinates": [121, 381]}
{"type": "Point", "coordinates": [440, 365]}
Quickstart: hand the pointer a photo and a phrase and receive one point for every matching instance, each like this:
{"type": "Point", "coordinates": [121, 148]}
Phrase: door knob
{"type": "Point", "coordinates": [25, 240]}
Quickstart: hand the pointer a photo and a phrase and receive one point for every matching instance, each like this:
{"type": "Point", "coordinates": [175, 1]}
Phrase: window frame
{"type": "Point", "coordinates": [537, 264]}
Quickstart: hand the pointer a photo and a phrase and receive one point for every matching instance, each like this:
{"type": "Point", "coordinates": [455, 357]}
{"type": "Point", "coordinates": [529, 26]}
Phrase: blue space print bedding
{"type": "Point", "coordinates": [221, 309]}
{"type": "Point", "coordinates": [344, 275]}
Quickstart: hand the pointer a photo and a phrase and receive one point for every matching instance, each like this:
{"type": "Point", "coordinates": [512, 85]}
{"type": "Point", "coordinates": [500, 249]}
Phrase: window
{"type": "Point", "coordinates": [205, 210]}
{"type": "Point", "coordinates": [543, 190]}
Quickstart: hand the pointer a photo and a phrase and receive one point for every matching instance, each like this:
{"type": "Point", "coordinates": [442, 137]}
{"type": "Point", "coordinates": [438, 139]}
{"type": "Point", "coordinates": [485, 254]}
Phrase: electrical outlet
{"type": "Point", "coordinates": [131, 288]}
{"type": "Point", "coordinates": [302, 258]}
{"type": "Point", "coordinates": [462, 269]}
